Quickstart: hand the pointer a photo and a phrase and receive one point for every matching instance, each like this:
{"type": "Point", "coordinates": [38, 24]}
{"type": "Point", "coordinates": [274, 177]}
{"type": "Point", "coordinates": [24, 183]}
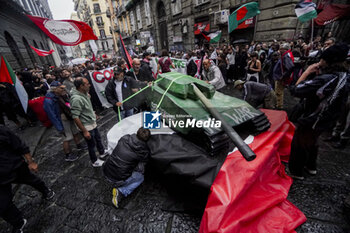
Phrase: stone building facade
{"type": "Point", "coordinates": [171, 24]}
{"type": "Point", "coordinates": [94, 13]}
{"type": "Point", "coordinates": [18, 32]}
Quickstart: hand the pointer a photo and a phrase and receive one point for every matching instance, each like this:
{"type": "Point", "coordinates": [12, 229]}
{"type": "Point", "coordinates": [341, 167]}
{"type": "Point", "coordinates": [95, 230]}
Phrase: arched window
{"type": "Point", "coordinates": [41, 58]}
{"type": "Point", "coordinates": [29, 50]}
{"type": "Point", "coordinates": [161, 9]}
{"type": "Point", "coordinates": [15, 50]}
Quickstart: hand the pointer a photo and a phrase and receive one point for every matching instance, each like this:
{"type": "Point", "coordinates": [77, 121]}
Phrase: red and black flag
{"type": "Point", "coordinates": [125, 53]}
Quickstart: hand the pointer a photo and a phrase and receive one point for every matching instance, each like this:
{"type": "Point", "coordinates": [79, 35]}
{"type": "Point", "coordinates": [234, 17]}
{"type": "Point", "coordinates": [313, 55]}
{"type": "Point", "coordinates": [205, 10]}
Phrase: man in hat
{"type": "Point", "coordinates": [57, 108]}
{"type": "Point", "coordinates": [118, 89]}
{"type": "Point", "coordinates": [257, 93]}
{"type": "Point", "coordinates": [324, 89]}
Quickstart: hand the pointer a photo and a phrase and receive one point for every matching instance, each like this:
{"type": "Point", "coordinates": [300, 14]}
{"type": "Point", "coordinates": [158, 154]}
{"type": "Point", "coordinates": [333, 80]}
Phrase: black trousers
{"type": "Point", "coordinates": [304, 150]}
{"type": "Point", "coordinates": [8, 211]}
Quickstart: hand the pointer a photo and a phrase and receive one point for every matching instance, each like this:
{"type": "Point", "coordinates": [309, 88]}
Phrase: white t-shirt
{"type": "Point", "coordinates": [231, 57]}
{"type": "Point", "coordinates": [118, 90]}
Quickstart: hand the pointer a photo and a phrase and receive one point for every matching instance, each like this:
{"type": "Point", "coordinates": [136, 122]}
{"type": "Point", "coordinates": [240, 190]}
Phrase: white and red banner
{"type": "Point", "coordinates": [42, 52]}
{"type": "Point", "coordinates": [64, 32]}
{"type": "Point", "coordinates": [100, 80]}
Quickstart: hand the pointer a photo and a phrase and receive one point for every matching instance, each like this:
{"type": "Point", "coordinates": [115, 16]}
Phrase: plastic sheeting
{"type": "Point", "coordinates": [252, 196]}
{"type": "Point", "coordinates": [173, 155]}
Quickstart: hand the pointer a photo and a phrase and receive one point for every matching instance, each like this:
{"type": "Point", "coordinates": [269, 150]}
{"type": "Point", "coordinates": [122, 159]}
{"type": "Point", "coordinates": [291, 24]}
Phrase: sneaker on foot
{"type": "Point", "coordinates": [98, 163]}
{"type": "Point", "coordinates": [104, 155]}
{"type": "Point", "coordinates": [71, 157]}
{"type": "Point", "coordinates": [117, 196]}
{"type": "Point", "coordinates": [20, 230]}
{"type": "Point", "coordinates": [82, 146]}
{"type": "Point", "coordinates": [296, 177]}
{"type": "Point", "coordinates": [50, 195]}
{"type": "Point", "coordinates": [311, 171]}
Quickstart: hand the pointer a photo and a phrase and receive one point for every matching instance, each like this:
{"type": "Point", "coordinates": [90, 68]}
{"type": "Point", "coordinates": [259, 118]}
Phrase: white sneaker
{"type": "Point", "coordinates": [98, 163]}
{"type": "Point", "coordinates": [104, 155]}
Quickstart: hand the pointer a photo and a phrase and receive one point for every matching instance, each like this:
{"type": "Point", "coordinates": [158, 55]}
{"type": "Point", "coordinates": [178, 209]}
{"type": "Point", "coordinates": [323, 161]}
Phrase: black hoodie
{"type": "Point", "coordinates": [125, 157]}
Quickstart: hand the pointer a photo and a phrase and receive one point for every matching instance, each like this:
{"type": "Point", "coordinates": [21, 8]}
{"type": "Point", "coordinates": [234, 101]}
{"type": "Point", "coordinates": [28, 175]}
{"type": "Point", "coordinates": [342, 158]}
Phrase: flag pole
{"type": "Point", "coordinates": [312, 33]}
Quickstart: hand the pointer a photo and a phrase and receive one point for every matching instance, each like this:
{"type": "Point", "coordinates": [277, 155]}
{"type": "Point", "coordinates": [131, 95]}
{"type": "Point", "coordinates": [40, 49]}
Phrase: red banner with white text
{"type": "Point", "coordinates": [64, 32]}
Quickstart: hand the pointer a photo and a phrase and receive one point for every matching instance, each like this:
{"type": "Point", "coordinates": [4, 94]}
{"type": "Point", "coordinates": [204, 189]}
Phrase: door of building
{"type": "Point", "coordinates": [163, 34]}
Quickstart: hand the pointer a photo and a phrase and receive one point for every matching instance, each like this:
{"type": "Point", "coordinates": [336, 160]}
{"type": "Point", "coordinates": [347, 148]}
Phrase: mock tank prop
{"type": "Point", "coordinates": [177, 100]}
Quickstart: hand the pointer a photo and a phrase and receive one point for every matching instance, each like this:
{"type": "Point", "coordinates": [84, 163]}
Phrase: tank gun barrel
{"type": "Point", "coordinates": [245, 150]}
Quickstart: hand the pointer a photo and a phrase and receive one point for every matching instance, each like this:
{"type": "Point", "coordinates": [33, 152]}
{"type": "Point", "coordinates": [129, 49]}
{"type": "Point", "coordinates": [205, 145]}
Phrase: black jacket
{"type": "Point", "coordinates": [191, 68]}
{"type": "Point", "coordinates": [128, 84]}
{"type": "Point", "coordinates": [311, 103]}
{"type": "Point", "coordinates": [141, 76]}
{"type": "Point", "coordinates": [146, 68]}
{"type": "Point", "coordinates": [125, 158]}
{"type": "Point", "coordinates": [12, 150]}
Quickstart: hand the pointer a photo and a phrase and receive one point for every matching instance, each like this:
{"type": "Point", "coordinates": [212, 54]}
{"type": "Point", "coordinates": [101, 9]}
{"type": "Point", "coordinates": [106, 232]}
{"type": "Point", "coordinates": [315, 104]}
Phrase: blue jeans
{"type": "Point", "coordinates": [124, 113]}
{"type": "Point", "coordinates": [94, 141]}
{"type": "Point", "coordinates": [129, 185]}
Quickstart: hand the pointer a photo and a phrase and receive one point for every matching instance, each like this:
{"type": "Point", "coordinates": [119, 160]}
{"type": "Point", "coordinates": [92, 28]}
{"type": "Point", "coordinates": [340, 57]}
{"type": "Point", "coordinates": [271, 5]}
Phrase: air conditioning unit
{"type": "Point", "coordinates": [221, 17]}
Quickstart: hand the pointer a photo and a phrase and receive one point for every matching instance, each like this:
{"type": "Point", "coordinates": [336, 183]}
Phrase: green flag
{"type": "Point", "coordinates": [7, 75]}
{"type": "Point", "coordinates": [241, 14]}
{"type": "Point", "coordinates": [215, 37]}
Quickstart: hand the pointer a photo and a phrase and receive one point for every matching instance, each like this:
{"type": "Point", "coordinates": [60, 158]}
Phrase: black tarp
{"type": "Point", "coordinates": [174, 156]}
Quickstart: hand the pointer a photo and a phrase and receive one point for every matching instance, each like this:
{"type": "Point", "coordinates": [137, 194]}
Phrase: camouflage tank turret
{"type": "Point", "coordinates": [174, 97]}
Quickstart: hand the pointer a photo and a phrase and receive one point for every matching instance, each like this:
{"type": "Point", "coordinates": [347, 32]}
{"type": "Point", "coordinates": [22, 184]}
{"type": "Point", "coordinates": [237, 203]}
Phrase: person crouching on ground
{"type": "Point", "coordinates": [125, 167]}
{"type": "Point", "coordinates": [257, 93]}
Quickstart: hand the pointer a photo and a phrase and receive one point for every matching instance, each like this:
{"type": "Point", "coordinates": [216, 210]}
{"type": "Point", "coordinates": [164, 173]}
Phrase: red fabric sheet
{"type": "Point", "coordinates": [251, 196]}
{"type": "Point", "coordinates": [37, 105]}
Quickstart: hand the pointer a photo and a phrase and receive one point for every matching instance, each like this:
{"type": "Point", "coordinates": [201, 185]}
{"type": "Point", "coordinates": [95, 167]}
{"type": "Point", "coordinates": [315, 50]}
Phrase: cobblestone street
{"type": "Point", "coordinates": [83, 198]}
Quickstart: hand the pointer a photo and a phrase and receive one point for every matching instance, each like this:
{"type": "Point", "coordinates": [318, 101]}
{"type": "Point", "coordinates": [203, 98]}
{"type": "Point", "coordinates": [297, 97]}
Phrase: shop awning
{"type": "Point", "coordinates": [332, 13]}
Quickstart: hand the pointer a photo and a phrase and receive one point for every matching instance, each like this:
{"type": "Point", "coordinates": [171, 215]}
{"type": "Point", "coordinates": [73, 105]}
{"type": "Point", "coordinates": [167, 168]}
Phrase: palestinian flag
{"type": "Point", "coordinates": [42, 52]}
{"type": "Point", "coordinates": [305, 10]}
{"type": "Point", "coordinates": [213, 37]}
{"type": "Point", "coordinates": [125, 53]}
{"type": "Point", "coordinates": [8, 76]}
{"type": "Point", "coordinates": [241, 14]}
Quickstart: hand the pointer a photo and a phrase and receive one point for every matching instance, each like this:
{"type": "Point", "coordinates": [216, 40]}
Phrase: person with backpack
{"type": "Point", "coordinates": [283, 72]}
{"type": "Point", "coordinates": [57, 108]}
{"type": "Point", "coordinates": [191, 65]}
{"type": "Point", "coordinates": [324, 90]}
{"type": "Point", "coordinates": [164, 63]}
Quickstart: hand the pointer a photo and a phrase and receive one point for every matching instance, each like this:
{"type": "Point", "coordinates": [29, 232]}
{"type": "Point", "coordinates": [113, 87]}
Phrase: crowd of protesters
{"type": "Point", "coordinates": [317, 73]}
